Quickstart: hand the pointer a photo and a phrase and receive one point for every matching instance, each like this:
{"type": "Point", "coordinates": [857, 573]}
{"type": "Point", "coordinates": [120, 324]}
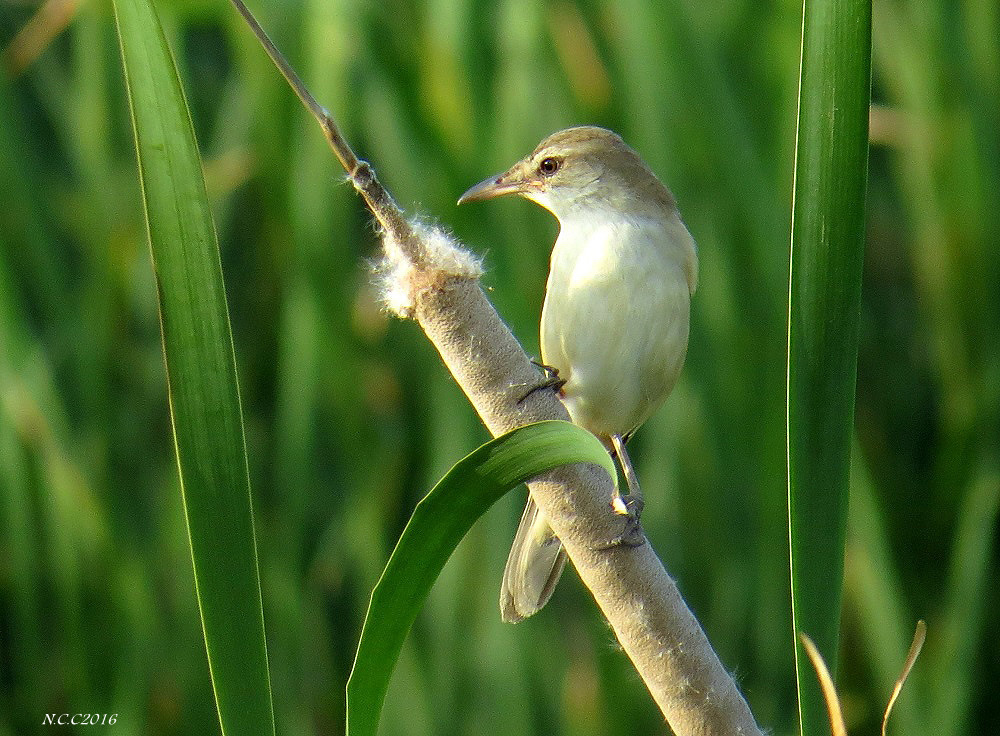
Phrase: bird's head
{"type": "Point", "coordinates": [584, 167]}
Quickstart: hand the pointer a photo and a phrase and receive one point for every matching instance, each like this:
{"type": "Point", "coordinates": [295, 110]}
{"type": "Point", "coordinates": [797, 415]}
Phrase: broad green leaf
{"type": "Point", "coordinates": [201, 375]}
{"type": "Point", "coordinates": [831, 163]}
{"type": "Point", "coordinates": [438, 524]}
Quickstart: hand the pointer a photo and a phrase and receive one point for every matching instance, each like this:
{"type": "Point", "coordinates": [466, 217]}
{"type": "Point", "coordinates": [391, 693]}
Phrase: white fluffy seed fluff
{"type": "Point", "coordinates": [442, 255]}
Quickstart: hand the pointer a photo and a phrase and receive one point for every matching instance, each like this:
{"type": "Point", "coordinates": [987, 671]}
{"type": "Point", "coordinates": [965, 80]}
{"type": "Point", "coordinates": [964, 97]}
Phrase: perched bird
{"type": "Point", "coordinates": [615, 319]}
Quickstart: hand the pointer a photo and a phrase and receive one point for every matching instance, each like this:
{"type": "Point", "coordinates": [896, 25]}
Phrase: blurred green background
{"type": "Point", "coordinates": [351, 417]}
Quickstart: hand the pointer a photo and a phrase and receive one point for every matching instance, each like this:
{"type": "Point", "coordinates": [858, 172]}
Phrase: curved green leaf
{"type": "Point", "coordinates": [201, 375]}
{"type": "Point", "coordinates": [438, 524]}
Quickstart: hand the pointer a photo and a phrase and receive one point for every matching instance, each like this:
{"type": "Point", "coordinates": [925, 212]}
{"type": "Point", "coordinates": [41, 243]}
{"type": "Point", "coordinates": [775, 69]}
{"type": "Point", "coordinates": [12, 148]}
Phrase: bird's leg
{"type": "Point", "coordinates": [551, 380]}
{"type": "Point", "coordinates": [629, 506]}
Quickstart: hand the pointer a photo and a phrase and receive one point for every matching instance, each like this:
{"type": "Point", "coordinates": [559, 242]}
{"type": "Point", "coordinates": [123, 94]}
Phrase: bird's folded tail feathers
{"type": "Point", "coordinates": [533, 568]}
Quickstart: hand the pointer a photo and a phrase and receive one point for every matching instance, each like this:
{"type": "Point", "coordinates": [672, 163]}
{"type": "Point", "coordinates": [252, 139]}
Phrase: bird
{"type": "Point", "coordinates": [615, 319]}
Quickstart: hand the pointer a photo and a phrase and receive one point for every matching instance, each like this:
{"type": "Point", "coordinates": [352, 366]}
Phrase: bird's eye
{"type": "Point", "coordinates": [549, 166]}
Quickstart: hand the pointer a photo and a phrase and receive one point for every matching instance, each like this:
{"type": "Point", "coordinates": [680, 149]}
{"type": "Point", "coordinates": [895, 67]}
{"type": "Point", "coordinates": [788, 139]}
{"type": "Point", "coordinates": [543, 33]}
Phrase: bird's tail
{"type": "Point", "coordinates": [533, 568]}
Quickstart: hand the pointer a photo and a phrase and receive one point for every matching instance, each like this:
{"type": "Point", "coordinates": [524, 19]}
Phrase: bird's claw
{"type": "Point", "coordinates": [550, 371]}
{"type": "Point", "coordinates": [632, 535]}
{"type": "Point", "coordinates": [551, 380]}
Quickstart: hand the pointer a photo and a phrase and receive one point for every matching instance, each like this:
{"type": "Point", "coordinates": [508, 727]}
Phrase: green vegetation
{"type": "Point", "coordinates": [204, 394]}
{"type": "Point", "coordinates": [439, 522]}
{"type": "Point", "coordinates": [824, 300]}
{"type": "Point", "coordinates": [350, 417]}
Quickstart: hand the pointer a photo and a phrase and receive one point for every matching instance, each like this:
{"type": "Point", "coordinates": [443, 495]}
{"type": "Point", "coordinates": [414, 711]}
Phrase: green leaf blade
{"type": "Point", "coordinates": [824, 306]}
{"type": "Point", "coordinates": [202, 383]}
{"type": "Point", "coordinates": [438, 524]}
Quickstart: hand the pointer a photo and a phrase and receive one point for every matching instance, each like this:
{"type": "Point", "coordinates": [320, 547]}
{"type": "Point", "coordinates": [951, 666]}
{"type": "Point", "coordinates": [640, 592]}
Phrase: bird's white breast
{"type": "Point", "coordinates": [616, 314]}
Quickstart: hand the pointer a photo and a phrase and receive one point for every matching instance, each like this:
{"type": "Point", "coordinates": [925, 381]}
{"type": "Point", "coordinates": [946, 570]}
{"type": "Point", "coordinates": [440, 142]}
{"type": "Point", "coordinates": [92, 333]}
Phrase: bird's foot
{"type": "Point", "coordinates": [631, 508]}
{"type": "Point", "coordinates": [551, 381]}
{"type": "Point", "coordinates": [550, 371]}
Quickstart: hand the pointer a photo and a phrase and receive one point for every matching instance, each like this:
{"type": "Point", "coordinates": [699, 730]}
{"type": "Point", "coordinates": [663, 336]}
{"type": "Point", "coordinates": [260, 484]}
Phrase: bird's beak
{"type": "Point", "coordinates": [510, 182]}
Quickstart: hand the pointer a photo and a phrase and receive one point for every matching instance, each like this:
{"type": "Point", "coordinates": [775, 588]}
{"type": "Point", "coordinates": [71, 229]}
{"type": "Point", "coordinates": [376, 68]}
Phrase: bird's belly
{"type": "Point", "coordinates": [615, 325]}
